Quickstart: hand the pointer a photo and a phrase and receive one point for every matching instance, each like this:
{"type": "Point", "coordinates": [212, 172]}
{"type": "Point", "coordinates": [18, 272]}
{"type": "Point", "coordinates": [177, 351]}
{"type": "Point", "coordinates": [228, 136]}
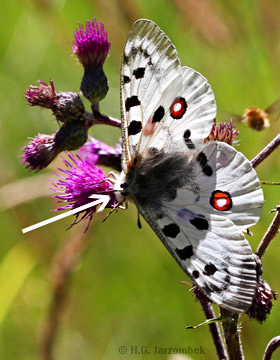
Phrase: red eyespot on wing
{"type": "Point", "coordinates": [221, 200]}
{"type": "Point", "coordinates": [178, 108]}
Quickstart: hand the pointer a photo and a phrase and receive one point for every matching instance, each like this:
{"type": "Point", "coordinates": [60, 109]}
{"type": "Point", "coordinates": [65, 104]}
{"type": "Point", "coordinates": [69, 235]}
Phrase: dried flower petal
{"type": "Point", "coordinates": [66, 106]}
{"type": "Point", "coordinates": [223, 132]}
{"type": "Point", "coordinates": [262, 302]}
{"type": "Point", "coordinates": [43, 95]}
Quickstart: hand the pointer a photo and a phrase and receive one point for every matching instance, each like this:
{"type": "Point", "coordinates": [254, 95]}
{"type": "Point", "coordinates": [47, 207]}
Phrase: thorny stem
{"type": "Point", "coordinates": [232, 335]}
{"type": "Point", "coordinates": [271, 347]}
{"type": "Point", "coordinates": [266, 151]}
{"type": "Point", "coordinates": [270, 234]}
{"type": "Point", "coordinates": [213, 327]}
{"type": "Point", "coordinates": [64, 262]}
{"type": "Point", "coordinates": [97, 119]}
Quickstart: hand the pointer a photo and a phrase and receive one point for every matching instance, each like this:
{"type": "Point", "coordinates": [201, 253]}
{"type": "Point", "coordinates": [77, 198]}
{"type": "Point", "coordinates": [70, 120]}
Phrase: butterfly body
{"type": "Point", "coordinates": [198, 198]}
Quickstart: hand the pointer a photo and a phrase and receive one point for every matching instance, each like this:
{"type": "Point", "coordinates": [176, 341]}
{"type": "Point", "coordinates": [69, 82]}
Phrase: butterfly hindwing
{"type": "Point", "coordinates": [219, 260]}
{"type": "Point", "coordinates": [203, 232]}
{"type": "Point", "coordinates": [228, 184]}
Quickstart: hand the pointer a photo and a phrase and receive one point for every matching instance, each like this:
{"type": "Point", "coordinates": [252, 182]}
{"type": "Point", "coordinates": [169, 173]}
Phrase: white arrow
{"type": "Point", "coordinates": [101, 199]}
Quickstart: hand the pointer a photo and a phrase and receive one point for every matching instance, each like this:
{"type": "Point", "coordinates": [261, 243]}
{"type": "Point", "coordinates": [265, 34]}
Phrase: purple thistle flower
{"type": "Point", "coordinates": [66, 106]}
{"type": "Point", "coordinates": [262, 302]}
{"type": "Point", "coordinates": [99, 153]}
{"type": "Point", "coordinates": [91, 44]}
{"type": "Point", "coordinates": [223, 132]}
{"type": "Point", "coordinates": [40, 152]}
{"type": "Point", "coordinates": [43, 95]}
{"type": "Point", "coordinates": [80, 180]}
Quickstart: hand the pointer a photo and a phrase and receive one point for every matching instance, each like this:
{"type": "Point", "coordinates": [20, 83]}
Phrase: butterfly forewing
{"type": "Point", "coordinates": [149, 62]}
{"type": "Point", "coordinates": [163, 104]}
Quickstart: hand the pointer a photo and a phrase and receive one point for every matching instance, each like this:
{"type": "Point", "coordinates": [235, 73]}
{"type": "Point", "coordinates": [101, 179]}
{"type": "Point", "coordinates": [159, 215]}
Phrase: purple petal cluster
{"type": "Point", "coordinates": [223, 132]}
{"type": "Point", "coordinates": [43, 95]}
{"type": "Point", "coordinates": [262, 302]}
{"type": "Point", "coordinates": [99, 153]}
{"type": "Point", "coordinates": [40, 152]}
{"type": "Point", "coordinates": [76, 183]}
{"type": "Point", "coordinates": [91, 44]}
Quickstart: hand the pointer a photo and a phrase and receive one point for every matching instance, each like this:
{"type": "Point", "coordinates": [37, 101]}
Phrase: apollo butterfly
{"type": "Point", "coordinates": [198, 198]}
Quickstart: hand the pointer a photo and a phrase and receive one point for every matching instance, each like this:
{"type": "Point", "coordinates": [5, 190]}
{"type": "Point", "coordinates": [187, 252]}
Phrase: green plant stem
{"type": "Point", "coordinates": [266, 151]}
{"type": "Point", "coordinates": [99, 119]}
{"type": "Point", "coordinates": [213, 327]}
{"type": "Point", "coordinates": [270, 234]}
{"type": "Point", "coordinates": [271, 347]}
{"type": "Point", "coordinates": [232, 335]}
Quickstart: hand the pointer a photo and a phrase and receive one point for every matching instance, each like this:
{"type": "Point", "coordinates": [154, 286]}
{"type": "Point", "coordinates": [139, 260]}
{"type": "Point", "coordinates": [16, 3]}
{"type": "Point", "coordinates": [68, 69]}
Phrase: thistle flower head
{"type": "Point", "coordinates": [99, 153]}
{"type": "Point", "coordinates": [43, 95]}
{"type": "Point", "coordinates": [66, 106]}
{"type": "Point", "coordinates": [262, 302]}
{"type": "Point", "coordinates": [223, 132]}
{"type": "Point", "coordinates": [91, 44]}
{"type": "Point", "coordinates": [40, 152]}
{"type": "Point", "coordinates": [76, 183]}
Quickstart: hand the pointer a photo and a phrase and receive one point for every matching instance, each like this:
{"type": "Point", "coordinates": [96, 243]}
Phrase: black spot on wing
{"type": "Point", "coordinates": [187, 139]}
{"type": "Point", "coordinates": [130, 102]}
{"type": "Point", "coordinates": [150, 62]}
{"type": "Point", "coordinates": [126, 79]}
{"type": "Point", "coordinates": [202, 160]}
{"type": "Point", "coordinates": [144, 52]}
{"type": "Point", "coordinates": [185, 253]}
{"type": "Point", "coordinates": [171, 230]}
{"type": "Point", "coordinates": [134, 127]}
{"type": "Point", "coordinates": [158, 114]}
{"type": "Point", "coordinates": [134, 51]}
{"type": "Point", "coordinates": [195, 274]}
{"type": "Point", "coordinates": [139, 73]}
{"type": "Point", "coordinates": [125, 59]}
{"type": "Point", "coordinates": [200, 223]}
{"type": "Point", "coordinates": [209, 269]}
{"type": "Point", "coordinates": [227, 282]}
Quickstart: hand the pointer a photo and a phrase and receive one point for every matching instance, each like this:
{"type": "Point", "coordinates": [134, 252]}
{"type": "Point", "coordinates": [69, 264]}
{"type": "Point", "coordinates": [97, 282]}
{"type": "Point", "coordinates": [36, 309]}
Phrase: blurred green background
{"type": "Point", "coordinates": [125, 290]}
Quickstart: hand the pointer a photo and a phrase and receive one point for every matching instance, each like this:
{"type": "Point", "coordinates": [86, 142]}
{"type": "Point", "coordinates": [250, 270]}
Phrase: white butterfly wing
{"type": "Point", "coordinates": [163, 104]}
{"type": "Point", "coordinates": [197, 198]}
{"type": "Point", "coordinates": [205, 237]}
{"type": "Point", "coordinates": [218, 260]}
{"type": "Point", "coordinates": [219, 168]}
